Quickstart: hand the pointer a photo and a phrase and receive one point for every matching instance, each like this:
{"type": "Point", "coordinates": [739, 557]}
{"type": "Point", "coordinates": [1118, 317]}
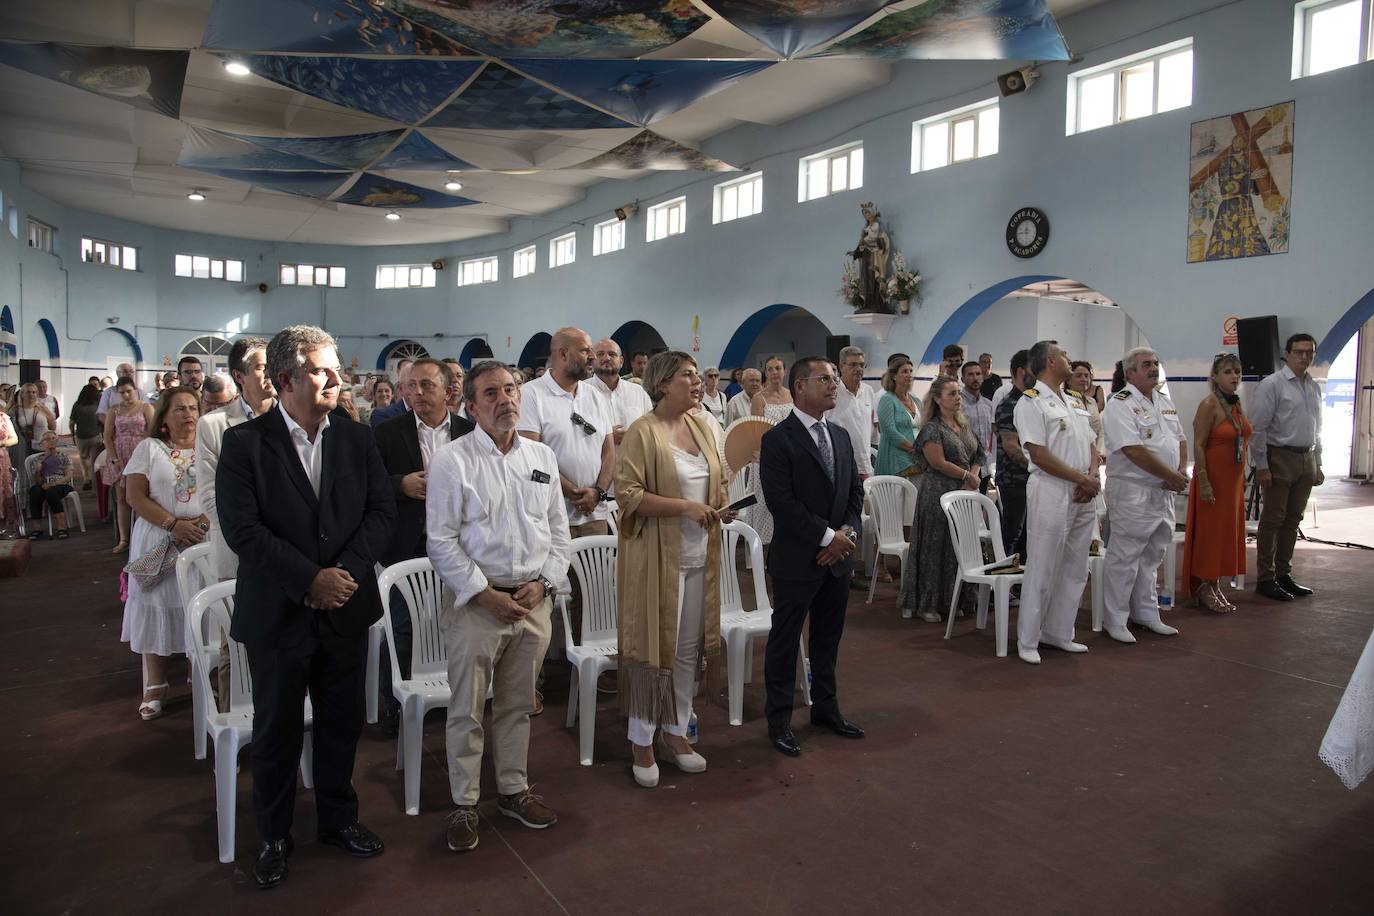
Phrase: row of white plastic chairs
{"type": "Point", "coordinates": [210, 610]}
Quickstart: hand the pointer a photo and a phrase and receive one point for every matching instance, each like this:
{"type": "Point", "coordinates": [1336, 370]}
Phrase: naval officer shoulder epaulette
{"type": "Point", "coordinates": [1030, 393]}
{"type": "Point", "coordinates": [1122, 395]}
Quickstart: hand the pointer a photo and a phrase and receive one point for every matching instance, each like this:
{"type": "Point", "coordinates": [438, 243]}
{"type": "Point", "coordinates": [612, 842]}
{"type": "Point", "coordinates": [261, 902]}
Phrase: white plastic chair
{"type": "Point", "coordinates": [372, 677]}
{"type": "Point", "coordinates": [72, 500]}
{"type": "Point", "coordinates": [968, 512]}
{"type": "Point", "coordinates": [13, 484]}
{"type": "Point", "coordinates": [427, 687]}
{"type": "Point", "coordinates": [593, 562]}
{"type": "Point", "coordinates": [892, 502]}
{"type": "Point", "coordinates": [738, 627]}
{"type": "Point", "coordinates": [194, 572]}
{"type": "Point", "coordinates": [211, 613]}
{"type": "Point", "coordinates": [1169, 586]}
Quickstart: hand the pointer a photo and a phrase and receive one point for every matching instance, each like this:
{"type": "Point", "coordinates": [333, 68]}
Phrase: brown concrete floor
{"type": "Point", "coordinates": [1178, 775]}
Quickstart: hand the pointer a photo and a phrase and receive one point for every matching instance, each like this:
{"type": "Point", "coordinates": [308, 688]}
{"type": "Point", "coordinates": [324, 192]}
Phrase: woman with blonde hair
{"type": "Point", "coordinates": [1214, 544]}
{"type": "Point", "coordinates": [32, 420]}
{"type": "Point", "coordinates": [670, 487]}
{"type": "Point", "coordinates": [951, 458]}
{"type": "Point", "coordinates": [898, 412]}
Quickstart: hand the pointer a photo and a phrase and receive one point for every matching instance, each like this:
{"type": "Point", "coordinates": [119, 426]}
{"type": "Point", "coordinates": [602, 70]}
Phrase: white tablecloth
{"type": "Point", "coordinates": [1348, 747]}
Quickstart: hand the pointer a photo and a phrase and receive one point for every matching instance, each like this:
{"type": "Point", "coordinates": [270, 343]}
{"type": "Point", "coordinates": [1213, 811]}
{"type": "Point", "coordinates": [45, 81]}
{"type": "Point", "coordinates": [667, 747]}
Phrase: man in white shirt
{"type": "Point", "coordinates": [742, 404]}
{"type": "Point", "coordinates": [498, 536]}
{"type": "Point", "coordinates": [1286, 412]}
{"type": "Point", "coordinates": [853, 411]}
{"type": "Point", "coordinates": [110, 396]}
{"type": "Point", "coordinates": [1147, 453]}
{"type": "Point", "coordinates": [625, 401]}
{"type": "Point", "coordinates": [977, 408]}
{"type": "Point", "coordinates": [1060, 510]}
{"type": "Point", "coordinates": [48, 400]}
{"type": "Point", "coordinates": [217, 391]}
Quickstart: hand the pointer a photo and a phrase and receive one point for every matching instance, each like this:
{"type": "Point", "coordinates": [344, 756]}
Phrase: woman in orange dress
{"type": "Point", "coordinates": [1214, 546]}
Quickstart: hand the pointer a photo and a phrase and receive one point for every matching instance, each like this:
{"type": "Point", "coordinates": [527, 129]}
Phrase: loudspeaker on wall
{"type": "Point", "coordinates": [1257, 342]}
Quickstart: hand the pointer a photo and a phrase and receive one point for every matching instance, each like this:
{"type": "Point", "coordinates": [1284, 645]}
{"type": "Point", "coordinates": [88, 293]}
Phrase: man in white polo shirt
{"type": "Point", "coordinates": [625, 400]}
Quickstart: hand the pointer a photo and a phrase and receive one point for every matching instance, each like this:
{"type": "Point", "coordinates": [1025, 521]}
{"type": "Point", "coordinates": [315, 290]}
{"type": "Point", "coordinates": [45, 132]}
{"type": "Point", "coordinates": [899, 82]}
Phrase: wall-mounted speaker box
{"type": "Point", "coordinates": [833, 345]}
{"type": "Point", "coordinates": [28, 371]}
{"type": "Point", "coordinates": [1258, 344]}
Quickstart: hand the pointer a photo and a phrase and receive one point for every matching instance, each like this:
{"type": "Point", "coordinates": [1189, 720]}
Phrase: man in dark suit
{"type": "Point", "coordinates": [305, 503]}
{"type": "Point", "coordinates": [404, 389]}
{"type": "Point", "coordinates": [407, 443]}
{"type": "Point", "coordinates": [811, 485]}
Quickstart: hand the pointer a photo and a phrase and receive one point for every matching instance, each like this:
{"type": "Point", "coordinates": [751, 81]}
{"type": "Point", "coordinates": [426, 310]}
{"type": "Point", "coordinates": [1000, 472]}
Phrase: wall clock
{"type": "Point", "coordinates": [1028, 231]}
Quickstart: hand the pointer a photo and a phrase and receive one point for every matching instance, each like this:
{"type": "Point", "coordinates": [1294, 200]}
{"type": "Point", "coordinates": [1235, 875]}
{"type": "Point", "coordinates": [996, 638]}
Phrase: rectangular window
{"type": "Point", "coordinates": [108, 254]}
{"type": "Point", "coordinates": [840, 169]}
{"type": "Point", "coordinates": [1330, 34]}
{"type": "Point", "coordinates": [563, 250]}
{"type": "Point", "coordinates": [405, 276]}
{"type": "Point", "coordinates": [738, 198]}
{"type": "Point", "coordinates": [41, 236]}
{"type": "Point", "coordinates": [477, 270]}
{"type": "Point", "coordinates": [1138, 86]}
{"type": "Point", "coordinates": [313, 275]}
{"type": "Point", "coordinates": [965, 133]}
{"type": "Point", "coordinates": [203, 267]}
{"type": "Point", "coordinates": [523, 264]}
{"type": "Point", "coordinates": [608, 236]}
{"type": "Point", "coordinates": [667, 218]}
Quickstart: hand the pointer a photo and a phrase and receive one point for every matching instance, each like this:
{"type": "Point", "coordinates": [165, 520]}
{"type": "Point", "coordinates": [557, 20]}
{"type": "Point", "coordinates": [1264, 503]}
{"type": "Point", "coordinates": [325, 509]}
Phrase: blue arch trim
{"type": "Point", "coordinates": [537, 347]}
{"type": "Point", "coordinates": [476, 348]}
{"type": "Point", "coordinates": [627, 331]}
{"type": "Point", "coordinates": [387, 351]}
{"type": "Point", "coordinates": [133, 344]}
{"type": "Point", "coordinates": [964, 316]}
{"type": "Point", "coordinates": [50, 332]}
{"type": "Point", "coordinates": [6, 319]}
{"type": "Point", "coordinates": [742, 341]}
{"type": "Point", "coordinates": [1346, 328]}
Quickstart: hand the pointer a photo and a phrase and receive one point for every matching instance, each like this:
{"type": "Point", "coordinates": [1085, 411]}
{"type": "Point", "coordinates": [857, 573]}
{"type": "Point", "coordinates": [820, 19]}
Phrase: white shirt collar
{"type": "Point", "coordinates": [442, 427]}
{"type": "Point", "coordinates": [292, 426]}
{"type": "Point", "coordinates": [1288, 373]}
{"type": "Point", "coordinates": [485, 442]}
{"type": "Point", "coordinates": [806, 419]}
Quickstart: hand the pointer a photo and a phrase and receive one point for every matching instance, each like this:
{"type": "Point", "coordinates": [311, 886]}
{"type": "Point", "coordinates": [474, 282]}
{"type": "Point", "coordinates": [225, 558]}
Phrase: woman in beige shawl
{"type": "Point", "coordinates": [670, 487]}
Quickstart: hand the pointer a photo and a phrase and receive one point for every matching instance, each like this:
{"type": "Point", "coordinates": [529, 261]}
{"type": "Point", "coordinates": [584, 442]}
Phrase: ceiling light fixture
{"type": "Point", "coordinates": [453, 185]}
{"type": "Point", "coordinates": [237, 68]}
{"type": "Point", "coordinates": [392, 215]}
{"type": "Point", "coordinates": [196, 194]}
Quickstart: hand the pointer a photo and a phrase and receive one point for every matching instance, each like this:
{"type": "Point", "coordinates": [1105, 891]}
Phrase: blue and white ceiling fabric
{"type": "Point", "coordinates": [427, 71]}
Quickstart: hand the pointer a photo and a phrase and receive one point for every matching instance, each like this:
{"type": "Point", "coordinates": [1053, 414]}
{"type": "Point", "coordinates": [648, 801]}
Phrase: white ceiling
{"type": "Point", "coordinates": [90, 152]}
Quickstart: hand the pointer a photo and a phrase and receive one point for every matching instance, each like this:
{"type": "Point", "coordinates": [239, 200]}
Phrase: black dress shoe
{"type": "Point", "coordinates": [1271, 589]}
{"type": "Point", "coordinates": [1297, 591]}
{"type": "Point", "coordinates": [270, 868]}
{"type": "Point", "coordinates": [784, 742]}
{"type": "Point", "coordinates": [839, 725]}
{"type": "Point", "coordinates": [355, 839]}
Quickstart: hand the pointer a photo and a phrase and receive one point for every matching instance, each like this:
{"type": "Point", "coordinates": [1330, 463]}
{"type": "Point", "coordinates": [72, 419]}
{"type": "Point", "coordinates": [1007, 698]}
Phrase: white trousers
{"type": "Point", "coordinates": [691, 608]}
{"type": "Point", "coordinates": [1058, 534]}
{"type": "Point", "coordinates": [1142, 525]}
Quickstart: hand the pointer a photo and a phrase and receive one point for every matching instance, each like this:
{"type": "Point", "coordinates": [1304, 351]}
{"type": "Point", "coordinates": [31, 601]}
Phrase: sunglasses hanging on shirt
{"type": "Point", "coordinates": [587, 428]}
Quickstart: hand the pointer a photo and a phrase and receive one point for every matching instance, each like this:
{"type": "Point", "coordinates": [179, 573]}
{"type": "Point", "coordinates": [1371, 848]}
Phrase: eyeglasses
{"type": "Point", "coordinates": [826, 380]}
{"type": "Point", "coordinates": [587, 428]}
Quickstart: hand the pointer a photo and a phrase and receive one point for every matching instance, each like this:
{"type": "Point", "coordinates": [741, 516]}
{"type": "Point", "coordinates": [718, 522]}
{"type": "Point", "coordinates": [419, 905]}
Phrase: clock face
{"type": "Point", "coordinates": [1027, 232]}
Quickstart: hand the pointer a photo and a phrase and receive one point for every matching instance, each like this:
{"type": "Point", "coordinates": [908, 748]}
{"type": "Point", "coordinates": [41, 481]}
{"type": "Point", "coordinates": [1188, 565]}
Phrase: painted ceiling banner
{"type": "Point", "coordinates": [792, 27]}
{"type": "Point", "coordinates": [959, 30]}
{"type": "Point", "coordinates": [417, 153]}
{"type": "Point", "coordinates": [319, 185]}
{"type": "Point", "coordinates": [388, 194]}
{"type": "Point", "coordinates": [500, 99]}
{"type": "Point", "coordinates": [320, 27]}
{"type": "Point", "coordinates": [640, 91]}
{"type": "Point", "coordinates": [398, 90]}
{"type": "Point", "coordinates": [556, 28]}
{"type": "Point", "coordinates": [151, 80]}
{"type": "Point", "coordinates": [206, 150]}
{"type": "Point", "coordinates": [349, 153]}
{"type": "Point", "coordinates": [648, 150]}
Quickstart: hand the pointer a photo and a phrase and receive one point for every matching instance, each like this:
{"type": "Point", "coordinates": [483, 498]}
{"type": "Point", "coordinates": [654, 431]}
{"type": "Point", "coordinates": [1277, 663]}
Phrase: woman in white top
{"type": "Point", "coordinates": [160, 478]}
{"type": "Point", "coordinates": [773, 403]}
{"type": "Point", "coordinates": [712, 398]}
{"type": "Point", "coordinates": [670, 487]}
{"type": "Point", "coordinates": [31, 422]}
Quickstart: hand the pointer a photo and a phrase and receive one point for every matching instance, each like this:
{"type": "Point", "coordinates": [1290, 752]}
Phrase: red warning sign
{"type": "Point", "coordinates": [1229, 337]}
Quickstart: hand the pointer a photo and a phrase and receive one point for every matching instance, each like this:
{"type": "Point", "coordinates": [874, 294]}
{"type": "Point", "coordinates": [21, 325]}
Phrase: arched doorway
{"type": "Point", "coordinates": [474, 350]}
{"type": "Point", "coordinates": [784, 330]}
{"type": "Point", "coordinates": [396, 351]}
{"type": "Point", "coordinates": [212, 351]}
{"type": "Point", "coordinates": [1346, 356]}
{"type": "Point", "coordinates": [49, 333]}
{"type": "Point", "coordinates": [536, 351]}
{"type": "Point", "coordinates": [9, 344]}
{"type": "Point", "coordinates": [638, 336]}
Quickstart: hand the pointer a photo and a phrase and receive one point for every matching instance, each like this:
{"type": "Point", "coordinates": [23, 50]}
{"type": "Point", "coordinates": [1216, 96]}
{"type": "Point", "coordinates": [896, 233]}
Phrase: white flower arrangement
{"type": "Point", "coordinates": [904, 283]}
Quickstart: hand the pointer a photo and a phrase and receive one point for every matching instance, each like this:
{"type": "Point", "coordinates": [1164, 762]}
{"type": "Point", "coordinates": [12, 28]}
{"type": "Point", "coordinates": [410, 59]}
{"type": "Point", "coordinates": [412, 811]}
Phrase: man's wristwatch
{"type": "Point", "coordinates": [602, 496]}
{"type": "Point", "coordinates": [548, 586]}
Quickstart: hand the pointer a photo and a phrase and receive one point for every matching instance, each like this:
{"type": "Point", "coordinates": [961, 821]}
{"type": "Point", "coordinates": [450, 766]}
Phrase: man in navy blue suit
{"type": "Point", "coordinates": [811, 485]}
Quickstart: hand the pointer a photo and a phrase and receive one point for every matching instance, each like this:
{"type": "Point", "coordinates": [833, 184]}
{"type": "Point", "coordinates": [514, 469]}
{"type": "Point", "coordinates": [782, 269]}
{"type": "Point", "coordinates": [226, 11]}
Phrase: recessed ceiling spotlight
{"type": "Point", "coordinates": [453, 185]}
{"type": "Point", "coordinates": [236, 68]}
{"type": "Point", "coordinates": [392, 215]}
{"type": "Point", "coordinates": [196, 194]}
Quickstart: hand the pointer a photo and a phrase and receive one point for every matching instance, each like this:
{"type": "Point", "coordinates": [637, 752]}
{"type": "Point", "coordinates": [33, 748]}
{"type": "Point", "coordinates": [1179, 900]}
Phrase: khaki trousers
{"type": "Point", "coordinates": [481, 651]}
{"type": "Point", "coordinates": [1281, 510]}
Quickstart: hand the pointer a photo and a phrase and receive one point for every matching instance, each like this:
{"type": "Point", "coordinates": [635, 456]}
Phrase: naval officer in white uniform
{"type": "Point", "coordinates": [1147, 453]}
{"type": "Point", "coordinates": [1054, 431]}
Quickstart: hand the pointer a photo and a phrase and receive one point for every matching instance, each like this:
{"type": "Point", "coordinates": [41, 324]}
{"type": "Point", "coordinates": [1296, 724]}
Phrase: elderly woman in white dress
{"type": "Point", "coordinates": [161, 482]}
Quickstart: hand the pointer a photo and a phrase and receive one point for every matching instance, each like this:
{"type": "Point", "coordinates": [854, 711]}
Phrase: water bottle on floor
{"type": "Point", "coordinates": [692, 729]}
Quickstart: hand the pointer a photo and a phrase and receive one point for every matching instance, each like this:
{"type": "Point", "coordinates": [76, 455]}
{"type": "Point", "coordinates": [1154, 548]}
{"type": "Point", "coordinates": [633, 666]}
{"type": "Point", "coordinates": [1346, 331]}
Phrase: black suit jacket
{"type": "Point", "coordinates": [398, 441]}
{"type": "Point", "coordinates": [802, 499]}
{"type": "Point", "coordinates": [284, 535]}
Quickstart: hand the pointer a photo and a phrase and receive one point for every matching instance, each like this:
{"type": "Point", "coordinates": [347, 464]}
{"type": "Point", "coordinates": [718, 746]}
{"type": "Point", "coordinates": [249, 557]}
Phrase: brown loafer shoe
{"type": "Point", "coordinates": [527, 808]}
{"type": "Point", "coordinates": [461, 832]}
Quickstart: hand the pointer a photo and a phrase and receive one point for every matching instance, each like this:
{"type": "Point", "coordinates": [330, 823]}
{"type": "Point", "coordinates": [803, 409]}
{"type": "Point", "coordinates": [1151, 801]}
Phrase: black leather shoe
{"type": "Point", "coordinates": [839, 725]}
{"type": "Point", "coordinates": [355, 839]}
{"type": "Point", "coordinates": [784, 742]}
{"type": "Point", "coordinates": [1297, 591]}
{"type": "Point", "coordinates": [270, 868]}
{"type": "Point", "coordinates": [1271, 589]}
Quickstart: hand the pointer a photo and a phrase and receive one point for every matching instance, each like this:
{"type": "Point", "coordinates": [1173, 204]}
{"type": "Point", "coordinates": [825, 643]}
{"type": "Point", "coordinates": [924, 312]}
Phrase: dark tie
{"type": "Point", "coordinates": [823, 443]}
